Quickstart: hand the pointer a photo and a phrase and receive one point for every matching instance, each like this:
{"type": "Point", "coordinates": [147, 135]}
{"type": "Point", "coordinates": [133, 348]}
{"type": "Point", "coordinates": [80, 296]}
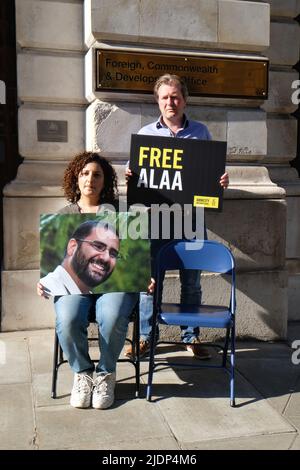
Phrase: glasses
{"type": "Point", "coordinates": [101, 248]}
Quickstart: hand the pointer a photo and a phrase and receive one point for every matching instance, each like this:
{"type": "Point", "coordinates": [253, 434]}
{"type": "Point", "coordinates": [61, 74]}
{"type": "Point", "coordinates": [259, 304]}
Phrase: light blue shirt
{"type": "Point", "coordinates": [190, 130]}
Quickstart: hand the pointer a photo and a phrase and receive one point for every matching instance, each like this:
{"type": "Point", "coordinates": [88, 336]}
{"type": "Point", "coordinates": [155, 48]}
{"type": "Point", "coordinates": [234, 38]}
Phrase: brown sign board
{"type": "Point", "coordinates": [205, 76]}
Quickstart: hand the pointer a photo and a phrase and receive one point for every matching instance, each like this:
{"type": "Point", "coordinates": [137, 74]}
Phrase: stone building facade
{"type": "Point", "coordinates": [261, 217]}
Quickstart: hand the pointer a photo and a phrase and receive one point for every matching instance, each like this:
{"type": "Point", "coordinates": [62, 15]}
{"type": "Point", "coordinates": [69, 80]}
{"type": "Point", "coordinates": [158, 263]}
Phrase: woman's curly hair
{"type": "Point", "coordinates": [109, 194]}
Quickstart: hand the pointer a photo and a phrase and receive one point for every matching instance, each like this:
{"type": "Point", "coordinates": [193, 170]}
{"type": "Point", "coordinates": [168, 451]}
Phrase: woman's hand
{"type": "Point", "coordinates": [151, 287]}
{"type": "Point", "coordinates": [128, 174]}
{"type": "Point", "coordinates": [224, 181]}
{"type": "Point", "coordinates": [41, 291]}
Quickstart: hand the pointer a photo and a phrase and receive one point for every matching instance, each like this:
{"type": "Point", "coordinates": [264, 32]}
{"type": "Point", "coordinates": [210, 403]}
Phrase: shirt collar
{"type": "Point", "coordinates": [160, 123]}
{"type": "Point", "coordinates": [70, 284]}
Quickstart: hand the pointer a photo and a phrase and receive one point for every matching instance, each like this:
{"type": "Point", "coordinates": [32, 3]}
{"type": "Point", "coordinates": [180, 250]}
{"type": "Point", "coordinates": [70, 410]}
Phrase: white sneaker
{"type": "Point", "coordinates": [103, 393]}
{"type": "Point", "coordinates": [81, 394]}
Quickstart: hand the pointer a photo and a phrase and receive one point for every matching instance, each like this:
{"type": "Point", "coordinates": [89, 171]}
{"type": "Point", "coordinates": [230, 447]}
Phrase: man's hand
{"type": "Point", "coordinates": [151, 287]}
{"type": "Point", "coordinates": [41, 291]}
{"type": "Point", "coordinates": [128, 174]}
{"type": "Point", "coordinates": [224, 181]}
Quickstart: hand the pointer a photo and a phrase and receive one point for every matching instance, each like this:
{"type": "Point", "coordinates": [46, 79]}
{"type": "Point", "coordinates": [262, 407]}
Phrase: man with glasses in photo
{"type": "Point", "coordinates": [90, 258]}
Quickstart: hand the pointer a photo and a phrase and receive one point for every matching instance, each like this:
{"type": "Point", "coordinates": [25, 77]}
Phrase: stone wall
{"type": "Point", "coordinates": [56, 82]}
{"type": "Point", "coordinates": [282, 133]}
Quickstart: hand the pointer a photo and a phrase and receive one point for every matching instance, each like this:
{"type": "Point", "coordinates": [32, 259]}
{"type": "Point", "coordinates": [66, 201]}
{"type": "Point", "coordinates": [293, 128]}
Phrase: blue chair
{"type": "Point", "coordinates": [204, 255]}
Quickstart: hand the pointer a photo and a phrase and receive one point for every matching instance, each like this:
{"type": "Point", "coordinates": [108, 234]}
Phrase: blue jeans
{"type": "Point", "coordinates": [112, 313]}
{"type": "Point", "coordinates": [190, 294]}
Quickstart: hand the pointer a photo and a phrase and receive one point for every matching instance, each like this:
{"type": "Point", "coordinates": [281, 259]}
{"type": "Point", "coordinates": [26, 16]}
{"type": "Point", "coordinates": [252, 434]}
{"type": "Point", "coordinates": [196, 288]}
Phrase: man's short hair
{"type": "Point", "coordinates": [169, 79]}
{"type": "Point", "coordinates": [86, 227]}
{"type": "Point", "coordinates": [84, 230]}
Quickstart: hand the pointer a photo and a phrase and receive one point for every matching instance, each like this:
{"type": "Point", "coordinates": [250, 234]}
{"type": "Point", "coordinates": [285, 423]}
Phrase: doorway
{"type": "Point", "coordinates": [9, 157]}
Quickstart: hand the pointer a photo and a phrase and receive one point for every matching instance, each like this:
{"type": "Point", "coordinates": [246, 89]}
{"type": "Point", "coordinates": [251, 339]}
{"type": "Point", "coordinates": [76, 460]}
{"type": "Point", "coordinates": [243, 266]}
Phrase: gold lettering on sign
{"type": "Point", "coordinates": [205, 76]}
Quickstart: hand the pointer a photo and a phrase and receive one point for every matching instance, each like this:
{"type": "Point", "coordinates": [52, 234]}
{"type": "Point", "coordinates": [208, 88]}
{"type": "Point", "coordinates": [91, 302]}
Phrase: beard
{"type": "Point", "coordinates": [83, 268]}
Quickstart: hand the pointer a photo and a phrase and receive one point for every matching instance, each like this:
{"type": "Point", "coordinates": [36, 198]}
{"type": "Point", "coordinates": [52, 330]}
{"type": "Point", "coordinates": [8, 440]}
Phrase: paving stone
{"type": "Point", "coordinates": [63, 427]}
{"type": "Point", "coordinates": [14, 360]}
{"type": "Point", "coordinates": [41, 351]}
{"type": "Point", "coordinates": [262, 442]}
{"type": "Point", "coordinates": [294, 420]}
{"type": "Point", "coordinates": [262, 350]}
{"type": "Point", "coordinates": [293, 407]}
{"type": "Point", "coordinates": [161, 443]}
{"type": "Point", "coordinates": [17, 430]}
{"type": "Point", "coordinates": [196, 406]}
{"type": "Point", "coordinates": [296, 443]}
{"type": "Point", "coordinates": [275, 379]}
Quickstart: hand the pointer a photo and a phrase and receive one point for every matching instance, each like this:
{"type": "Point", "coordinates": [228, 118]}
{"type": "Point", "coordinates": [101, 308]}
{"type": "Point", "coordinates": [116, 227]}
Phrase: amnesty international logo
{"type": "Point", "coordinates": [206, 201]}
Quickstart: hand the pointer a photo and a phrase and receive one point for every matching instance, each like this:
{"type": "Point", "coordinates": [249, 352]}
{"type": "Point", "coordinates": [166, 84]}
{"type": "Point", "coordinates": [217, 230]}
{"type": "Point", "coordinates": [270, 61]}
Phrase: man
{"type": "Point", "coordinates": [90, 259]}
{"type": "Point", "coordinates": [171, 94]}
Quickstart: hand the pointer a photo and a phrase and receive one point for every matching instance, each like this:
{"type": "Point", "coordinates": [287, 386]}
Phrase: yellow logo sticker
{"type": "Point", "coordinates": [206, 201]}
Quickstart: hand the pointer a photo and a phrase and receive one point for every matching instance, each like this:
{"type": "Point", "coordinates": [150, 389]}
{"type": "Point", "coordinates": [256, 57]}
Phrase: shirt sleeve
{"type": "Point", "coordinates": [51, 286]}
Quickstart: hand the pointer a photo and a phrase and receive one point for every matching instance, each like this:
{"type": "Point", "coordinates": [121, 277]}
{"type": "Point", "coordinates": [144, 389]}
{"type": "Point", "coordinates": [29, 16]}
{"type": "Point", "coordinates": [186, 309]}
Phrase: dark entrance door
{"type": "Point", "coordinates": [296, 163]}
{"type": "Point", "coordinates": [9, 158]}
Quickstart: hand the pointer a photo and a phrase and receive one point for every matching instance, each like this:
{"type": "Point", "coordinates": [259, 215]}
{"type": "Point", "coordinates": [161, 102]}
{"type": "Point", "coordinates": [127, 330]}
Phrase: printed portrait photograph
{"type": "Point", "coordinates": [88, 253]}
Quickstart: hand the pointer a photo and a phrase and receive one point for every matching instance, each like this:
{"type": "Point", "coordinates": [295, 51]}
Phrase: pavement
{"type": "Point", "coordinates": [190, 408]}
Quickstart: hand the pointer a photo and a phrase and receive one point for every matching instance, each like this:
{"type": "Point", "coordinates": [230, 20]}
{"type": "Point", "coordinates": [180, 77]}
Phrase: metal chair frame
{"type": "Point", "coordinates": [204, 255]}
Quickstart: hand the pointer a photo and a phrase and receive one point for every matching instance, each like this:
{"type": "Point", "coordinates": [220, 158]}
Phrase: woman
{"type": "Point", "coordinates": [89, 183]}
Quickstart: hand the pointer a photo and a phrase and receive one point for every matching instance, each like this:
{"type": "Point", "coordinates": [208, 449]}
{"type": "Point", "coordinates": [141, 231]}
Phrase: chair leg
{"type": "Point", "coordinates": [225, 349]}
{"type": "Point", "coordinates": [151, 362]}
{"type": "Point", "coordinates": [61, 354]}
{"type": "Point", "coordinates": [136, 342]}
{"type": "Point", "coordinates": [232, 365]}
{"type": "Point", "coordinates": [55, 366]}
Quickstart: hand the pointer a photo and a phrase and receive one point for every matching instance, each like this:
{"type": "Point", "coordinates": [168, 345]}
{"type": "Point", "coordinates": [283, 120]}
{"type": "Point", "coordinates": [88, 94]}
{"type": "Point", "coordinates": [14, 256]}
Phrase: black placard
{"type": "Point", "coordinates": [173, 170]}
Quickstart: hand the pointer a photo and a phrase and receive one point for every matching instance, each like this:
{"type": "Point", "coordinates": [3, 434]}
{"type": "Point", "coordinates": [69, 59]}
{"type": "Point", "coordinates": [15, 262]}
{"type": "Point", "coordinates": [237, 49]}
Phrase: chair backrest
{"type": "Point", "coordinates": [204, 255]}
